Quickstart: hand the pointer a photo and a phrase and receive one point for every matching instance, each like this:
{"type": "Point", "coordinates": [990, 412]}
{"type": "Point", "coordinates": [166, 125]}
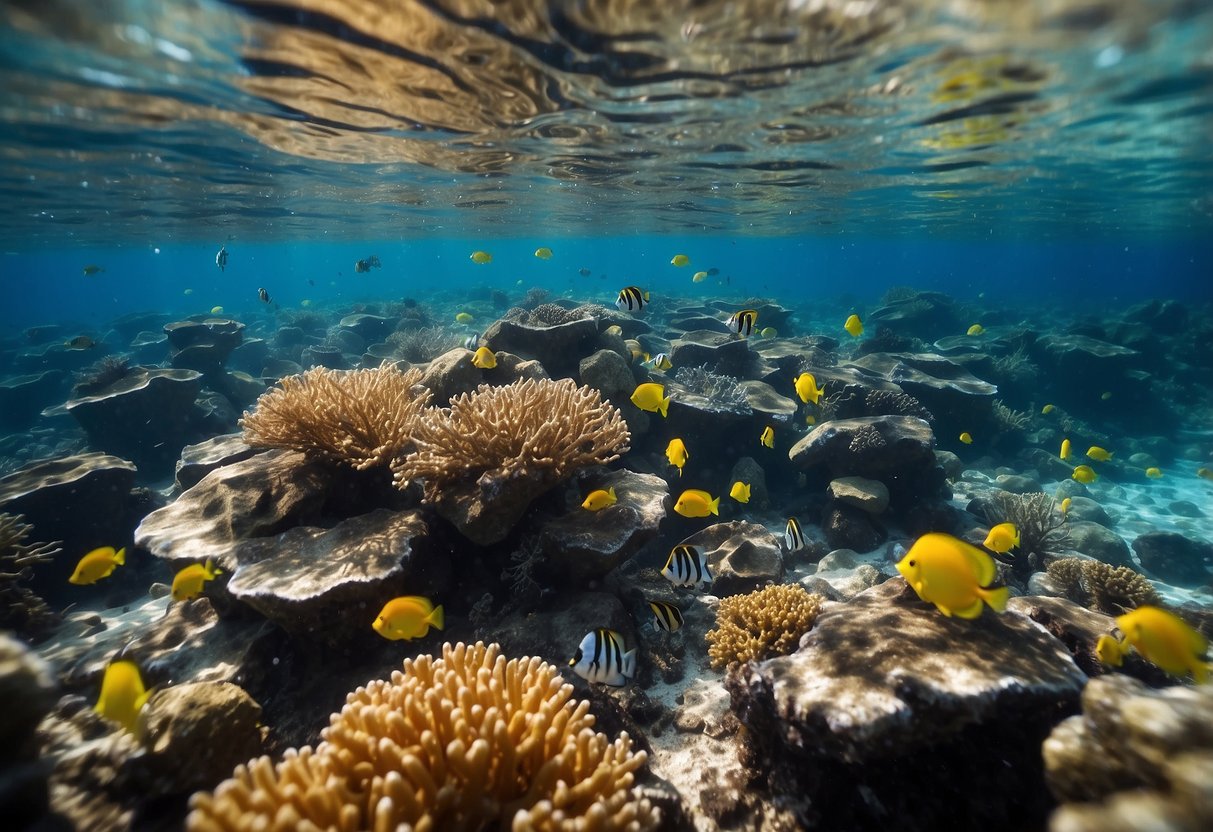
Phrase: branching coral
{"type": "Point", "coordinates": [1043, 533]}
{"type": "Point", "coordinates": [767, 622]}
{"type": "Point", "coordinates": [535, 428]}
{"type": "Point", "coordinates": [1009, 420]}
{"type": "Point", "coordinates": [464, 742]}
{"type": "Point", "coordinates": [20, 608]}
{"type": "Point", "coordinates": [363, 418]}
{"type": "Point", "coordinates": [424, 344]}
{"type": "Point", "coordinates": [1112, 590]}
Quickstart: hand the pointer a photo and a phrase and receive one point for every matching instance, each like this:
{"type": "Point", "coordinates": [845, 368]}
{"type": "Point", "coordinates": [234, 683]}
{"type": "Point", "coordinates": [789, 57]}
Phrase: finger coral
{"type": "Point", "coordinates": [363, 418]}
{"type": "Point", "coordinates": [1112, 590]}
{"type": "Point", "coordinates": [767, 622]}
{"type": "Point", "coordinates": [463, 742]}
{"type": "Point", "coordinates": [20, 608]}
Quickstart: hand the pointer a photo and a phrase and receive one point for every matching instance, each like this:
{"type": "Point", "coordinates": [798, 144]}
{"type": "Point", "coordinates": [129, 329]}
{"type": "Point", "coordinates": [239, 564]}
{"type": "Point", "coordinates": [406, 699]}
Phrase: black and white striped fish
{"type": "Point", "coordinates": [793, 537]}
{"type": "Point", "coordinates": [669, 617]}
{"type": "Point", "coordinates": [600, 658]}
{"type": "Point", "coordinates": [743, 322]}
{"type": "Point", "coordinates": [472, 342]}
{"type": "Point", "coordinates": [687, 566]}
{"type": "Point", "coordinates": [632, 298]}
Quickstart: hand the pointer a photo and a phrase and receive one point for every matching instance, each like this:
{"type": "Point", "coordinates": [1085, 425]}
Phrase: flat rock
{"type": "Point", "coordinates": [923, 314]}
{"type": "Point", "coordinates": [370, 328]}
{"type": "Point", "coordinates": [897, 450]}
{"type": "Point", "coordinates": [719, 352]}
{"type": "Point", "coordinates": [199, 460]}
{"type": "Point", "coordinates": [1084, 508]}
{"type": "Point", "coordinates": [1171, 557]}
{"type": "Point", "coordinates": [203, 345]}
{"type": "Point", "coordinates": [742, 557]}
{"type": "Point", "coordinates": [22, 398]}
{"type": "Point", "coordinates": [870, 495]}
{"type": "Point", "coordinates": [1017, 484]}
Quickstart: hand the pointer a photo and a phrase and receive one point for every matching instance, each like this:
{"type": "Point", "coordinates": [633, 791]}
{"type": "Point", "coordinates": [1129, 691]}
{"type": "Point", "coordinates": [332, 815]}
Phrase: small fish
{"type": "Point", "coordinates": [188, 582]}
{"type": "Point", "coordinates": [1166, 640]}
{"type": "Point", "coordinates": [1085, 474]}
{"type": "Point", "coordinates": [1065, 506]}
{"type": "Point", "coordinates": [966, 438]}
{"type": "Point", "coordinates": [305, 303]}
{"type": "Point", "coordinates": [263, 296]}
{"type": "Point", "coordinates": [807, 389]}
{"type": "Point", "coordinates": [742, 322]}
{"type": "Point", "coordinates": [810, 419]}
{"type": "Point", "coordinates": [669, 617]}
{"type": "Point", "coordinates": [1099, 454]}
{"type": "Point", "coordinates": [97, 564]}
{"type": "Point", "coordinates": [464, 317]}
{"type": "Point", "coordinates": [854, 326]}
{"type": "Point", "coordinates": [1065, 449]}
{"type": "Point", "coordinates": [1205, 473]}
{"type": "Point", "coordinates": [687, 566]}
{"type": "Point", "coordinates": [793, 537]}
{"type": "Point", "coordinates": [598, 500]}
{"type": "Point", "coordinates": [407, 618]}
{"type": "Point", "coordinates": [1109, 651]}
{"type": "Point", "coordinates": [188, 292]}
{"type": "Point", "coordinates": [363, 266]}
{"type": "Point", "coordinates": [696, 503]}
{"type": "Point", "coordinates": [1104, 396]}
{"type": "Point", "coordinates": [953, 575]}
{"type": "Point", "coordinates": [740, 491]}
{"type": "Point", "coordinates": [90, 270]}
{"type": "Point", "coordinates": [221, 258]}
{"type": "Point", "coordinates": [480, 258]}
{"type": "Point", "coordinates": [676, 453]}
{"type": "Point", "coordinates": [122, 694]}
{"type": "Point", "coordinates": [614, 329]}
{"type": "Point", "coordinates": [699, 277]}
{"type": "Point", "coordinates": [484, 359]}
{"type": "Point", "coordinates": [600, 658]}
{"type": "Point", "coordinates": [472, 342]}
{"type": "Point", "coordinates": [584, 272]}
{"type": "Point", "coordinates": [1047, 409]}
{"type": "Point", "coordinates": [975, 330]}
{"type": "Point", "coordinates": [216, 310]}
{"type": "Point", "coordinates": [631, 298]}
{"type": "Point", "coordinates": [1002, 538]}
{"type": "Point", "coordinates": [1154, 473]}
{"type": "Point", "coordinates": [768, 437]}
{"type": "Point", "coordinates": [769, 332]}
{"type": "Point", "coordinates": [634, 348]}
{"type": "Point", "coordinates": [660, 361]}
{"type": "Point", "coordinates": [81, 342]}
{"type": "Point", "coordinates": [543, 253]}
{"type": "Point", "coordinates": [712, 272]}
{"type": "Point", "coordinates": [651, 397]}
{"type": "Point", "coordinates": [680, 260]}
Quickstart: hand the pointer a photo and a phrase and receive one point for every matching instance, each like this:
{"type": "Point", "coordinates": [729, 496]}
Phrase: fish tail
{"type": "Point", "coordinates": [1200, 672]}
{"type": "Point", "coordinates": [611, 493]}
{"type": "Point", "coordinates": [663, 406]}
{"type": "Point", "coordinates": [436, 617]}
{"type": "Point", "coordinates": [627, 665]}
{"type": "Point", "coordinates": [120, 557]}
{"type": "Point", "coordinates": [714, 506]}
{"type": "Point", "coordinates": [996, 598]}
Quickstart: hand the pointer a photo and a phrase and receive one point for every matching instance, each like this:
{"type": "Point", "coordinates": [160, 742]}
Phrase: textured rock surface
{"type": "Point", "coordinates": [720, 352]}
{"type": "Point", "coordinates": [28, 694]}
{"type": "Point", "coordinates": [453, 373]}
{"type": "Point", "coordinates": [848, 527]}
{"type": "Point", "coordinates": [1174, 558]}
{"type": "Point", "coordinates": [1096, 541]}
{"type": "Point", "coordinates": [203, 345]}
{"type": "Point", "coordinates": [199, 460]}
{"type": "Point", "coordinates": [741, 556]}
{"type": "Point", "coordinates": [558, 348]}
{"type": "Point", "coordinates": [870, 495]}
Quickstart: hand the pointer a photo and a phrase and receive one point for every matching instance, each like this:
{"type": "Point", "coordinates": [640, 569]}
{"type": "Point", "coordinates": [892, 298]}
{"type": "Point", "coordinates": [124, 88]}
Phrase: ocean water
{"type": "Point", "coordinates": [1042, 170]}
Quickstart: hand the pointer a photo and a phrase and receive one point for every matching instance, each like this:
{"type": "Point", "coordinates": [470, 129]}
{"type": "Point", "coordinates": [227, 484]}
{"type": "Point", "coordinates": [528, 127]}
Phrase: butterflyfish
{"type": "Point", "coordinates": [631, 298]}
{"type": "Point", "coordinates": [97, 564]}
{"type": "Point", "coordinates": [600, 658]}
{"type": "Point", "coordinates": [599, 499]}
{"type": "Point", "coordinates": [90, 270]}
{"type": "Point", "coordinates": [543, 253]}
{"type": "Point", "coordinates": [480, 258]}
{"type": "Point", "coordinates": [472, 342]}
{"type": "Point", "coordinates": [669, 617]}
{"type": "Point", "coordinates": [188, 582]}
{"type": "Point", "coordinates": [807, 389]}
{"type": "Point", "coordinates": [680, 260]}
{"type": "Point", "coordinates": [122, 694]}
{"type": "Point", "coordinates": [975, 330]}
{"type": "Point", "coordinates": [1047, 409]}
{"type": "Point", "coordinates": [793, 536]}
{"type": "Point", "coordinates": [1154, 473]}
{"type": "Point", "coordinates": [687, 566]}
{"type": "Point", "coordinates": [699, 277]}
{"type": "Point", "coordinates": [651, 397]}
{"type": "Point", "coordinates": [696, 503]}
{"type": "Point", "coordinates": [221, 258]}
{"type": "Point", "coordinates": [407, 618]}
{"type": "Point", "coordinates": [660, 361]}
{"type": "Point", "coordinates": [740, 491]}
{"type": "Point", "coordinates": [953, 575]}
{"type": "Point", "coordinates": [742, 322]}
{"type": "Point", "coordinates": [464, 317]}
{"type": "Point", "coordinates": [484, 359]}
{"type": "Point", "coordinates": [768, 437]}
{"type": "Point", "coordinates": [966, 438]}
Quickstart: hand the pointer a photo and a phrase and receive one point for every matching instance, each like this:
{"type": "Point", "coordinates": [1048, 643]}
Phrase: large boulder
{"type": "Point", "coordinates": [958, 399]}
{"type": "Point", "coordinates": [203, 345]}
{"type": "Point", "coordinates": [926, 315]}
{"type": "Point", "coordinates": [1171, 557]}
{"type": "Point", "coordinates": [559, 347]}
{"type": "Point", "coordinates": [1096, 541]}
{"type": "Point", "coordinates": [742, 556]}
{"type": "Point", "coordinates": [453, 373]}
{"type": "Point", "coordinates": [720, 352]}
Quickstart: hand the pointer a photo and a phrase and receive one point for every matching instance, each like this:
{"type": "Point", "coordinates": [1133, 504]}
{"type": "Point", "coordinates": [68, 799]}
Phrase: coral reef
{"type": "Point", "coordinates": [892, 403]}
{"type": "Point", "coordinates": [419, 345]}
{"type": "Point", "coordinates": [21, 609]}
{"type": "Point", "coordinates": [1009, 420]}
{"type": "Point", "coordinates": [364, 418]}
{"type": "Point", "coordinates": [767, 622]}
{"type": "Point", "coordinates": [1112, 590]}
{"type": "Point", "coordinates": [101, 375]}
{"type": "Point", "coordinates": [550, 314]}
{"type": "Point", "coordinates": [466, 741]}
{"type": "Point", "coordinates": [1043, 534]}
{"type": "Point", "coordinates": [722, 390]}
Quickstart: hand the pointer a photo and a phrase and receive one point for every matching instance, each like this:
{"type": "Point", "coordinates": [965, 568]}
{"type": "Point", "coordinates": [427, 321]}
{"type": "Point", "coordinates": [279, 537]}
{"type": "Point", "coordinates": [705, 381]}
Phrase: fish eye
{"type": "Point", "coordinates": [913, 563]}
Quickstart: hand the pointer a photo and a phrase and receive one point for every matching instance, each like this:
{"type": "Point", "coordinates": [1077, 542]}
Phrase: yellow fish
{"type": "Point", "coordinates": [1085, 474]}
{"type": "Point", "coordinates": [810, 419]}
{"type": "Point", "coordinates": [1097, 453]}
{"type": "Point", "coordinates": [680, 260]}
{"type": "Point", "coordinates": [740, 491]}
{"type": "Point", "coordinates": [966, 438]}
{"type": "Point", "coordinates": [1065, 506]}
{"type": "Point", "coordinates": [699, 277]}
{"type": "Point", "coordinates": [305, 303]}
{"type": "Point", "coordinates": [1065, 449]}
{"type": "Point", "coordinates": [407, 618]}
{"type": "Point", "coordinates": [216, 310]}
{"type": "Point", "coordinates": [854, 326]}
{"type": "Point", "coordinates": [122, 694]}
{"type": "Point", "coordinates": [1164, 639]}
{"type": "Point", "coordinates": [975, 329]}
{"type": "Point", "coordinates": [614, 329]}
{"type": "Point", "coordinates": [676, 453]}
{"type": "Point", "coordinates": [1002, 538]}
{"type": "Point", "coordinates": [769, 332]}
{"type": "Point", "coordinates": [97, 564]}
{"type": "Point", "coordinates": [188, 582]}
{"type": "Point", "coordinates": [807, 389]}
{"type": "Point", "coordinates": [464, 318]}
{"type": "Point", "coordinates": [598, 500]}
{"type": "Point", "coordinates": [651, 397]}
{"type": "Point", "coordinates": [952, 575]}
{"type": "Point", "coordinates": [484, 359]}
{"type": "Point", "coordinates": [768, 437]}
{"type": "Point", "coordinates": [1109, 651]}
{"type": "Point", "coordinates": [543, 253]}
{"type": "Point", "coordinates": [479, 258]}
{"type": "Point", "coordinates": [1047, 409]}
{"type": "Point", "coordinates": [634, 348]}
{"type": "Point", "coordinates": [1154, 473]}
{"type": "Point", "coordinates": [695, 503]}
{"type": "Point", "coordinates": [1205, 473]}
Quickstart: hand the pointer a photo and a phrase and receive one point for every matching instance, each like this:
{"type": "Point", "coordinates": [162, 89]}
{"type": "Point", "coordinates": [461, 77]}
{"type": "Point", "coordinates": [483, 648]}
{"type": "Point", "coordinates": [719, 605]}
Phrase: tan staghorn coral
{"type": "Point", "coordinates": [363, 418]}
{"type": "Point", "coordinates": [21, 609]}
{"type": "Point", "coordinates": [467, 741]}
{"type": "Point", "coordinates": [1112, 590]}
{"type": "Point", "coordinates": [768, 622]}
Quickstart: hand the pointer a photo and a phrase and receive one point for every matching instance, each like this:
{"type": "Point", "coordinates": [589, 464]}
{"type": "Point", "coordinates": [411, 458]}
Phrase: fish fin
{"type": "Point", "coordinates": [714, 506]}
{"type": "Point", "coordinates": [436, 618]}
{"type": "Point", "coordinates": [627, 666]}
{"type": "Point", "coordinates": [971, 611]}
{"type": "Point", "coordinates": [611, 494]}
{"type": "Point", "coordinates": [996, 598]}
{"type": "Point", "coordinates": [663, 406]}
{"type": "Point", "coordinates": [1200, 672]}
{"type": "Point", "coordinates": [646, 297]}
{"type": "Point", "coordinates": [943, 609]}
{"type": "Point", "coordinates": [120, 557]}
{"type": "Point", "coordinates": [983, 564]}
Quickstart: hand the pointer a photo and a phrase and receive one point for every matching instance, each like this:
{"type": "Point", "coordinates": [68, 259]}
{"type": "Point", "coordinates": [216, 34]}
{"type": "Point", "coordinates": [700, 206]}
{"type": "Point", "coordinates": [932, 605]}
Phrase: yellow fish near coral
{"type": "Point", "coordinates": [1085, 474]}
{"type": "Point", "coordinates": [484, 359]}
{"type": "Point", "coordinates": [1164, 639]}
{"type": "Point", "coordinates": [97, 564]}
{"type": "Point", "coordinates": [122, 694]}
{"type": "Point", "coordinates": [1047, 409]}
{"type": "Point", "coordinates": [768, 437]}
{"type": "Point", "coordinates": [1065, 449]}
{"type": "Point", "coordinates": [188, 582]}
{"type": "Point", "coordinates": [699, 277]}
{"type": "Point", "coordinates": [676, 453]}
{"type": "Point", "coordinates": [1002, 538]}
{"type": "Point", "coordinates": [680, 260]}
{"type": "Point", "coordinates": [966, 438]}
{"type": "Point", "coordinates": [1065, 506]}
{"type": "Point", "coordinates": [543, 253]}
{"type": "Point", "coordinates": [1098, 454]}
{"type": "Point", "coordinates": [464, 317]}
{"type": "Point", "coordinates": [807, 389]}
{"type": "Point", "coordinates": [599, 499]}
{"type": "Point", "coordinates": [953, 575]}
{"type": "Point", "coordinates": [1154, 473]}
{"type": "Point", "coordinates": [407, 617]}
{"type": "Point", "coordinates": [975, 330]}
{"type": "Point", "coordinates": [854, 326]}
{"type": "Point", "coordinates": [480, 258]}
{"type": "Point", "coordinates": [696, 503]}
{"type": "Point", "coordinates": [740, 491]}
{"type": "Point", "coordinates": [1109, 651]}
{"type": "Point", "coordinates": [216, 310]}
{"type": "Point", "coordinates": [651, 397]}
{"type": "Point", "coordinates": [768, 332]}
